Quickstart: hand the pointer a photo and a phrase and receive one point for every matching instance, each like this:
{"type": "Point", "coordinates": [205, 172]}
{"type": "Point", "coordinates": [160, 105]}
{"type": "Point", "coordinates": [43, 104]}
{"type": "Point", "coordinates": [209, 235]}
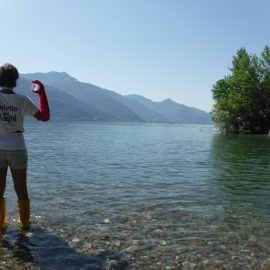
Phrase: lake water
{"type": "Point", "coordinates": [141, 196]}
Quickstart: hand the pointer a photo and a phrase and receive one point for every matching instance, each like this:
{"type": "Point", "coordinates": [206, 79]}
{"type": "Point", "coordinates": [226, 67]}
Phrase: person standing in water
{"type": "Point", "coordinates": [13, 152]}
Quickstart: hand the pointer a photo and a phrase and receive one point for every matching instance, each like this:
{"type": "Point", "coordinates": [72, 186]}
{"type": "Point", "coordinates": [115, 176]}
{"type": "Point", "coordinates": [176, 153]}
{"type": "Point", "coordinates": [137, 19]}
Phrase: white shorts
{"type": "Point", "coordinates": [15, 159]}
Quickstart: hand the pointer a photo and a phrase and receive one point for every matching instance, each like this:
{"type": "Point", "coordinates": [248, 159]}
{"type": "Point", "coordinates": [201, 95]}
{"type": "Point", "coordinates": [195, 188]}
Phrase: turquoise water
{"type": "Point", "coordinates": [141, 196]}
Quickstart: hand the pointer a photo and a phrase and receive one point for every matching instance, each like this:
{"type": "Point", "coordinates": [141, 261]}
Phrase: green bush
{"type": "Point", "coordinates": [242, 98]}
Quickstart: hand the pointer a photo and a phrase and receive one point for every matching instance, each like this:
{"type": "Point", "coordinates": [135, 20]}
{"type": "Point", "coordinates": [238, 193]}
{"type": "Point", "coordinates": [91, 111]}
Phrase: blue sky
{"type": "Point", "coordinates": [156, 48]}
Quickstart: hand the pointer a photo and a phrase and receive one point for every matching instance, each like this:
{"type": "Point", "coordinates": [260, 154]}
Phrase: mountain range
{"type": "Point", "coordinates": [72, 99]}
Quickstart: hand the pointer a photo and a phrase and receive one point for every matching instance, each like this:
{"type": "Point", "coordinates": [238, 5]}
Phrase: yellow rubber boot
{"type": "Point", "coordinates": [3, 218]}
{"type": "Point", "coordinates": [24, 213]}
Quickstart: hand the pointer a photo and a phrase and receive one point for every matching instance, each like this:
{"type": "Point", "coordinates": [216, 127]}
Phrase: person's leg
{"type": "Point", "coordinates": [18, 167]}
{"type": "Point", "coordinates": [20, 186]}
{"type": "Point", "coordinates": [19, 180]}
{"type": "Point", "coordinates": [3, 175]}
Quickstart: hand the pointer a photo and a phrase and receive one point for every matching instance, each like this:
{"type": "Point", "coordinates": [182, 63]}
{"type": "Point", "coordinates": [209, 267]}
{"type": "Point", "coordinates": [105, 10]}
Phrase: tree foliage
{"type": "Point", "coordinates": [242, 98]}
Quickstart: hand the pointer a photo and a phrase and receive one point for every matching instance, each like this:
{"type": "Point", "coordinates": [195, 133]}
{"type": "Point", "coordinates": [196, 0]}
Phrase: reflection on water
{"type": "Point", "coordinates": [15, 248]}
{"type": "Point", "coordinates": [241, 170]}
{"type": "Point", "coordinates": [240, 167]}
{"type": "Point", "coordinates": [38, 249]}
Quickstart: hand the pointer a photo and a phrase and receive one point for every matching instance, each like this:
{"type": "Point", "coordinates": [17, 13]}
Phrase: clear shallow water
{"type": "Point", "coordinates": [142, 196]}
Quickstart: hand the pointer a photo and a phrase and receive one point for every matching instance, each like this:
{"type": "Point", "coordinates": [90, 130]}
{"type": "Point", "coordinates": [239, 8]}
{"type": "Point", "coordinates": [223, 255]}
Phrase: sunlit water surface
{"type": "Point", "coordinates": [141, 196]}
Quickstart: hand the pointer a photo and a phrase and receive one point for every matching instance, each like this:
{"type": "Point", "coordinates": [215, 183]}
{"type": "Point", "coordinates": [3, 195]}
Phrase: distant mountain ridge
{"type": "Point", "coordinates": [174, 112]}
{"type": "Point", "coordinates": [70, 98]}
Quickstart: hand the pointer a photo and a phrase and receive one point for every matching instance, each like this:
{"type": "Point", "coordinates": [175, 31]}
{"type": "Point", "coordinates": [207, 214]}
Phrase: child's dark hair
{"type": "Point", "coordinates": [8, 75]}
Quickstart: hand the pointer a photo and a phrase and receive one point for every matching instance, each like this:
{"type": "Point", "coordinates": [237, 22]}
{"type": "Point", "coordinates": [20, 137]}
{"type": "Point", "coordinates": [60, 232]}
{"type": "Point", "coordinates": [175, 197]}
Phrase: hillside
{"type": "Point", "coordinates": [72, 98]}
